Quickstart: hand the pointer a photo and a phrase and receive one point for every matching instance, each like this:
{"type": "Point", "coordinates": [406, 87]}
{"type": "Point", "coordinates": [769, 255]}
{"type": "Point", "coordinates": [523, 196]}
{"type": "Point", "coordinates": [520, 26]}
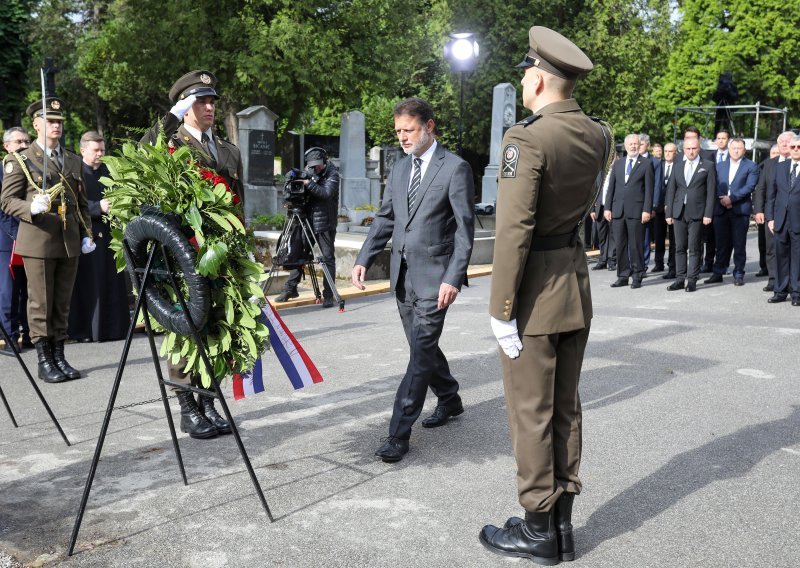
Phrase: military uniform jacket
{"type": "Point", "coordinates": [548, 176]}
{"type": "Point", "coordinates": [44, 235]}
{"type": "Point", "coordinates": [229, 159]}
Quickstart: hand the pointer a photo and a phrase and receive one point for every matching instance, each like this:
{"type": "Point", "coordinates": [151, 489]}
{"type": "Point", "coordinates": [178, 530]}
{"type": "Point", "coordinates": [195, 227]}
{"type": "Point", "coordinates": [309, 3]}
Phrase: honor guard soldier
{"type": "Point", "coordinates": [194, 99]}
{"type": "Point", "coordinates": [43, 187]}
{"type": "Point", "coordinates": [540, 301]}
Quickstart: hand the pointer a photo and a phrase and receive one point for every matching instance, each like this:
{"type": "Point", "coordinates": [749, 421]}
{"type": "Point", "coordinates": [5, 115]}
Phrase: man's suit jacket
{"type": "Point", "coordinates": [657, 173]}
{"type": "Point", "coordinates": [700, 193]}
{"type": "Point", "coordinates": [635, 197]}
{"type": "Point", "coordinates": [44, 235]}
{"type": "Point", "coordinates": [765, 181]}
{"type": "Point", "coordinates": [662, 181]}
{"type": "Point", "coordinates": [741, 188]}
{"type": "Point", "coordinates": [783, 199]}
{"type": "Point", "coordinates": [436, 235]}
{"type": "Point", "coordinates": [229, 159]}
{"type": "Point", "coordinates": [8, 228]}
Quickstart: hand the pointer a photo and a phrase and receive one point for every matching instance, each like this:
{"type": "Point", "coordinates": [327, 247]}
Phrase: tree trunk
{"type": "Point", "coordinates": [231, 123]}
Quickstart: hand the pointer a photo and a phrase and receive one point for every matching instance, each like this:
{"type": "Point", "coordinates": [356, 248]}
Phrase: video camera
{"type": "Point", "coordinates": [295, 192]}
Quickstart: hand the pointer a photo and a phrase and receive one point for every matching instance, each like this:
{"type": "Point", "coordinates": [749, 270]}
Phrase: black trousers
{"type": "Point", "coordinates": [710, 241]}
{"type": "Point", "coordinates": [325, 240]}
{"type": "Point", "coordinates": [427, 366]}
{"type": "Point", "coordinates": [787, 254]}
{"type": "Point", "coordinates": [731, 236]}
{"type": "Point", "coordinates": [762, 247]}
{"type": "Point", "coordinates": [605, 238]}
{"type": "Point", "coordinates": [629, 238]}
{"type": "Point", "coordinates": [766, 259]}
{"type": "Point", "coordinates": [688, 242]}
{"type": "Point", "coordinates": [660, 232]}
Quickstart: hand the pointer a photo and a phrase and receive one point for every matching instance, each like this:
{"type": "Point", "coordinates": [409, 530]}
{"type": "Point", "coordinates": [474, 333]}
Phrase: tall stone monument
{"type": "Point", "coordinates": [257, 144]}
{"type": "Point", "coordinates": [354, 189]}
{"type": "Point", "coordinates": [504, 115]}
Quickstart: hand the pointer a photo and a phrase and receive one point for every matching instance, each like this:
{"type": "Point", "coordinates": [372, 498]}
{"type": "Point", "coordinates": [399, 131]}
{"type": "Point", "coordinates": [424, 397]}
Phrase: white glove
{"type": "Point", "coordinates": [40, 203]}
{"type": "Point", "coordinates": [507, 336]}
{"type": "Point", "coordinates": [182, 106]}
{"type": "Point", "coordinates": [87, 245]}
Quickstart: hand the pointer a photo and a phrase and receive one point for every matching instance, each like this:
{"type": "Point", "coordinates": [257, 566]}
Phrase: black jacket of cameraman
{"type": "Point", "coordinates": [323, 206]}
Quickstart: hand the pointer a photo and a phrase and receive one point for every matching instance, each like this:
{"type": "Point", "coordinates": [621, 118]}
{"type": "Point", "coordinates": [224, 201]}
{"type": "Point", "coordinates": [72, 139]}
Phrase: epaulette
{"type": "Point", "coordinates": [525, 122]}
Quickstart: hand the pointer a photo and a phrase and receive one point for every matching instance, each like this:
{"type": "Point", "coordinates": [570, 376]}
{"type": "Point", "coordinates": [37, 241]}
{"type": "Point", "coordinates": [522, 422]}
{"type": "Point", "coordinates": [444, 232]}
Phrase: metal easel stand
{"type": "Point", "coordinates": [33, 384]}
{"type": "Point", "coordinates": [297, 217]}
{"type": "Point", "coordinates": [143, 276]}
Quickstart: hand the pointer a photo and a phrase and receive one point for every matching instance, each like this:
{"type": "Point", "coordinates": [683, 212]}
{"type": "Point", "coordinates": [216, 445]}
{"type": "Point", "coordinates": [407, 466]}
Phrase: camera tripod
{"type": "Point", "coordinates": [295, 221]}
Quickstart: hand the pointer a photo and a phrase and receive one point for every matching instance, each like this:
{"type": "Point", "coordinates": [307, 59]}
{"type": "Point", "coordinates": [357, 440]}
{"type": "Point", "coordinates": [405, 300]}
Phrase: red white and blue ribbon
{"type": "Point", "coordinates": [296, 363]}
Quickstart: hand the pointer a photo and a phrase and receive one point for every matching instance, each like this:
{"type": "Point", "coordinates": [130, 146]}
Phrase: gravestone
{"type": "Point", "coordinates": [504, 115]}
{"type": "Point", "coordinates": [257, 145]}
{"type": "Point", "coordinates": [355, 187]}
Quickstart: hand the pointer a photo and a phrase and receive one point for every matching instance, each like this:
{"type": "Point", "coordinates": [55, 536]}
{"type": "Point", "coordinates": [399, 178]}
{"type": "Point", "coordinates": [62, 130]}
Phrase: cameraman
{"type": "Point", "coordinates": [322, 211]}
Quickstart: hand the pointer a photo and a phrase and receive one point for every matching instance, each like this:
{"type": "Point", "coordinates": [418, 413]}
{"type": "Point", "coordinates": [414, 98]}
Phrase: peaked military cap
{"type": "Point", "coordinates": [198, 83]}
{"type": "Point", "coordinates": [55, 109]}
{"type": "Point", "coordinates": [552, 52]}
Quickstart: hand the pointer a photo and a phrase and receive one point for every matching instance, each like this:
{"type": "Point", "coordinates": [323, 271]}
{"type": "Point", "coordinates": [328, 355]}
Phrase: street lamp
{"type": "Point", "coordinates": [462, 53]}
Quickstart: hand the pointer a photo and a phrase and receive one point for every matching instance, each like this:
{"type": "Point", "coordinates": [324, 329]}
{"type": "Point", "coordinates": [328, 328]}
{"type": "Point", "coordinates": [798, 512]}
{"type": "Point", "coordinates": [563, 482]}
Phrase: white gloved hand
{"type": "Point", "coordinates": [40, 203]}
{"type": "Point", "coordinates": [182, 106]}
{"type": "Point", "coordinates": [87, 245]}
{"type": "Point", "coordinates": [507, 336]}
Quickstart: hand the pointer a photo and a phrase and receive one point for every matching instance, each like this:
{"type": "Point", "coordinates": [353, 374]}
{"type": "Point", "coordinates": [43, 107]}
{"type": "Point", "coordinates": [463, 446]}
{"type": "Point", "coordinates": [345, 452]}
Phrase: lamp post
{"type": "Point", "coordinates": [462, 53]}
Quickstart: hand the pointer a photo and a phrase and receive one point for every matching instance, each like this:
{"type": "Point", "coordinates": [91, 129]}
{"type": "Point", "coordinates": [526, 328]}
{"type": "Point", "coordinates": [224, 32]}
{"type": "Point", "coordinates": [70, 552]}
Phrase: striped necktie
{"type": "Point", "coordinates": [416, 178]}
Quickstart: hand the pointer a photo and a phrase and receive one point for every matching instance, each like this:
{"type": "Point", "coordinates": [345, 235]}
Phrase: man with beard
{"type": "Point", "coordinates": [428, 212]}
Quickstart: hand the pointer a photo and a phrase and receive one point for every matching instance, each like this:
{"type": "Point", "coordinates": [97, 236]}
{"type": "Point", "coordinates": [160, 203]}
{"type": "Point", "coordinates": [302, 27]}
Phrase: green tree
{"type": "Point", "coordinates": [14, 23]}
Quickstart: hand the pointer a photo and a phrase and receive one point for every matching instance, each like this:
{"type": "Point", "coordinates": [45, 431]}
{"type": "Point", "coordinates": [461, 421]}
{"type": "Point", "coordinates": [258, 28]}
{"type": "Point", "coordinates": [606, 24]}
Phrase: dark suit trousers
{"type": "Point", "coordinates": [606, 239]}
{"type": "Point", "coordinates": [762, 247]}
{"type": "Point", "coordinates": [769, 262]}
{"type": "Point", "coordinates": [50, 282]}
{"type": "Point", "coordinates": [709, 239]}
{"type": "Point", "coordinates": [660, 230]}
{"type": "Point", "coordinates": [544, 415]}
{"type": "Point", "coordinates": [13, 296]}
{"type": "Point", "coordinates": [787, 254]}
{"type": "Point", "coordinates": [427, 366]}
{"type": "Point", "coordinates": [731, 237]}
{"type": "Point", "coordinates": [688, 241]}
{"type": "Point", "coordinates": [629, 237]}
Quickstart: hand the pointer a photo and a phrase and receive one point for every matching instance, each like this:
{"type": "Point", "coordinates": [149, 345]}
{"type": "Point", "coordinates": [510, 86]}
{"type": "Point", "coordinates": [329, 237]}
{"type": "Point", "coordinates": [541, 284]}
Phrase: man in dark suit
{"type": "Point", "coordinates": [765, 181]}
{"type": "Point", "coordinates": [783, 220]}
{"type": "Point", "coordinates": [649, 231]}
{"type": "Point", "coordinates": [689, 206]}
{"type": "Point", "coordinates": [661, 229]}
{"type": "Point", "coordinates": [428, 213]}
{"type": "Point", "coordinates": [13, 282]}
{"type": "Point", "coordinates": [194, 99]}
{"type": "Point", "coordinates": [605, 235]}
{"type": "Point", "coordinates": [629, 202]}
{"type": "Point", "coordinates": [736, 179]}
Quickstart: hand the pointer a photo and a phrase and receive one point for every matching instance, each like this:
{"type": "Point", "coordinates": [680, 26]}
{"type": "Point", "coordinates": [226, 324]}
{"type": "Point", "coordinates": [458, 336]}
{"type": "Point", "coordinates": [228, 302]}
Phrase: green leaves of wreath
{"type": "Point", "coordinates": [159, 176]}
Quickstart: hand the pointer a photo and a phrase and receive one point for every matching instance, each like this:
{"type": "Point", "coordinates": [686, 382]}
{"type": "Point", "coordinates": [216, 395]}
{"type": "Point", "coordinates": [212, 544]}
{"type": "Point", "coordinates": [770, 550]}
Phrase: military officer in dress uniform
{"type": "Point", "coordinates": [540, 303]}
{"type": "Point", "coordinates": [194, 101]}
{"type": "Point", "coordinates": [53, 232]}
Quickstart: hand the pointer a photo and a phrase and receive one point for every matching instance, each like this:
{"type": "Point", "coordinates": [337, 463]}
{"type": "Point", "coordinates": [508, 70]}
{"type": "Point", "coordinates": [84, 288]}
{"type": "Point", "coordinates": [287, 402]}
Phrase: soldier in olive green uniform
{"type": "Point", "coordinates": [52, 233]}
{"type": "Point", "coordinates": [194, 102]}
{"type": "Point", "coordinates": [540, 300]}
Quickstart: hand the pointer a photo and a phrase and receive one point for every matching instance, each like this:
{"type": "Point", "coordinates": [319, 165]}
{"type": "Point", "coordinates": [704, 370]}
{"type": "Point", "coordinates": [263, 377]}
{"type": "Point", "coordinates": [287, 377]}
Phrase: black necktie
{"type": "Point", "coordinates": [56, 159]}
{"type": "Point", "coordinates": [416, 178]}
{"type": "Point", "coordinates": [206, 146]}
{"type": "Point", "coordinates": [794, 174]}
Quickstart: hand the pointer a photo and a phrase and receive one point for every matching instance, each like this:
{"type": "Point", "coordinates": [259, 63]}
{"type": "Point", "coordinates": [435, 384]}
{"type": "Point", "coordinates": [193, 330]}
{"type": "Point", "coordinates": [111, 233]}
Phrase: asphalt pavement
{"type": "Point", "coordinates": [691, 446]}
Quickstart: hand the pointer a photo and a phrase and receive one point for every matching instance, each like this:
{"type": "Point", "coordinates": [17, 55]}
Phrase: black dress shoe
{"type": "Point", "coordinates": [677, 285]}
{"type": "Point", "coordinates": [327, 302]}
{"type": "Point", "coordinates": [738, 281]}
{"type": "Point", "coordinates": [706, 269]}
{"type": "Point", "coordinates": [600, 266]}
{"type": "Point", "coordinates": [620, 282]}
{"type": "Point", "coordinates": [286, 295]}
{"type": "Point", "coordinates": [658, 268]}
{"type": "Point", "coordinates": [669, 276]}
{"type": "Point", "coordinates": [796, 301]}
{"type": "Point", "coordinates": [612, 267]}
{"type": "Point", "coordinates": [533, 538]}
{"type": "Point", "coordinates": [715, 279]}
{"type": "Point", "coordinates": [441, 415]}
{"type": "Point", "coordinates": [392, 450]}
{"type": "Point", "coordinates": [777, 298]}
{"type": "Point", "coordinates": [762, 272]}
{"type": "Point", "coordinates": [770, 287]}
{"type": "Point", "coordinates": [691, 286]}
{"type": "Point", "coordinates": [636, 284]}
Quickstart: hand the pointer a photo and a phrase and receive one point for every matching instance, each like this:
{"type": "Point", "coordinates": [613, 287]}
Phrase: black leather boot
{"type": "Point", "coordinates": [61, 362]}
{"type": "Point", "coordinates": [207, 409]}
{"type": "Point", "coordinates": [192, 422]}
{"type": "Point", "coordinates": [48, 371]}
{"type": "Point", "coordinates": [534, 538]}
{"type": "Point", "coordinates": [562, 517]}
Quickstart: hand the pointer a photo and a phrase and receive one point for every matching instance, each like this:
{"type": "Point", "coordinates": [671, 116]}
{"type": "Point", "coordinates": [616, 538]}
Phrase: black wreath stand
{"type": "Point", "coordinates": [141, 281]}
{"type": "Point", "coordinates": [27, 372]}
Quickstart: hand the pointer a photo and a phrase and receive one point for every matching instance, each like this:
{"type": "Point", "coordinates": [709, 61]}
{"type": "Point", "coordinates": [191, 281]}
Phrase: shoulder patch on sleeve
{"type": "Point", "coordinates": [9, 167]}
{"type": "Point", "coordinates": [510, 160]}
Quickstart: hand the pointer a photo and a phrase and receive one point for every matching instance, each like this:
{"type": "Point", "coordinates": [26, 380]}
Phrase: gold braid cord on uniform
{"type": "Point", "coordinates": [56, 191]}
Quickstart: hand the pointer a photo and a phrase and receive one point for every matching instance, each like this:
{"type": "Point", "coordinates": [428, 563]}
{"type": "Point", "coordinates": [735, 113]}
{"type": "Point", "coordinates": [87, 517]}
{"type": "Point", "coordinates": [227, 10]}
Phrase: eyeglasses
{"type": "Point", "coordinates": [19, 141]}
{"type": "Point", "coordinates": [794, 146]}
